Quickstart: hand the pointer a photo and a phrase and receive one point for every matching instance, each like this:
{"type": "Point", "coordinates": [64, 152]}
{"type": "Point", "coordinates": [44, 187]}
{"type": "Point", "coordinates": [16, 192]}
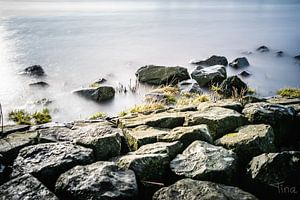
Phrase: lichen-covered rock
{"type": "Point", "coordinates": [209, 75]}
{"type": "Point", "coordinates": [47, 161]}
{"type": "Point", "coordinates": [189, 189]}
{"type": "Point", "coordinates": [100, 180]}
{"type": "Point", "coordinates": [239, 62]}
{"type": "Point", "coordinates": [169, 148]}
{"type": "Point", "coordinates": [99, 94]}
{"type": "Point", "coordinates": [25, 187]}
{"type": "Point", "coordinates": [219, 120]}
{"type": "Point", "coordinates": [187, 135]}
{"type": "Point", "coordinates": [34, 70]}
{"type": "Point", "coordinates": [233, 85]}
{"type": "Point", "coordinates": [203, 161]}
{"type": "Point", "coordinates": [161, 75]}
{"type": "Point", "coordinates": [249, 141]}
{"type": "Point", "coordinates": [213, 60]}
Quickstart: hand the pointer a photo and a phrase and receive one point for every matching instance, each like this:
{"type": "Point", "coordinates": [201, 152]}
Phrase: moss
{"type": "Point", "coordinates": [42, 117]}
{"type": "Point", "coordinates": [98, 115]}
{"type": "Point", "coordinates": [289, 92]}
{"type": "Point", "coordinates": [147, 107]}
{"type": "Point", "coordinates": [20, 117]}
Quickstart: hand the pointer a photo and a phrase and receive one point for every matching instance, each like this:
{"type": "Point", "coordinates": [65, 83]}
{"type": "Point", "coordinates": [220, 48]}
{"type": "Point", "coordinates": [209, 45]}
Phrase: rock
{"type": "Point", "coordinates": [100, 180]}
{"type": "Point", "coordinates": [7, 129]}
{"type": "Point", "coordinates": [156, 97]}
{"type": "Point", "coordinates": [239, 62]}
{"type": "Point", "coordinates": [223, 103]}
{"type": "Point", "coordinates": [263, 49]}
{"type": "Point", "coordinates": [25, 187]}
{"type": "Point", "coordinates": [10, 145]}
{"type": "Point", "coordinates": [34, 70]}
{"type": "Point", "coordinates": [203, 161]}
{"type": "Point", "coordinates": [279, 53]}
{"type": "Point", "coordinates": [251, 99]}
{"type": "Point", "coordinates": [169, 148]}
{"type": "Point", "coordinates": [219, 120]}
{"type": "Point", "coordinates": [245, 73]}
{"type": "Point", "coordinates": [273, 173]}
{"type": "Point", "coordinates": [284, 100]}
{"type": "Point", "coordinates": [99, 94]}
{"type": "Point", "coordinates": [5, 171]}
{"type": "Point", "coordinates": [187, 135]}
{"type": "Point", "coordinates": [189, 189]}
{"type": "Point", "coordinates": [209, 75]}
{"type": "Point", "coordinates": [39, 84]}
{"type": "Point", "coordinates": [278, 116]}
{"type": "Point", "coordinates": [161, 75]}
{"type": "Point", "coordinates": [232, 83]}
{"type": "Point", "coordinates": [190, 86]}
{"type": "Point", "coordinates": [142, 135]}
{"type": "Point", "coordinates": [297, 57]}
{"type": "Point", "coordinates": [213, 60]}
{"type": "Point", "coordinates": [54, 134]}
{"type": "Point", "coordinates": [147, 167]}
{"type": "Point", "coordinates": [249, 141]}
{"type": "Point", "coordinates": [47, 161]}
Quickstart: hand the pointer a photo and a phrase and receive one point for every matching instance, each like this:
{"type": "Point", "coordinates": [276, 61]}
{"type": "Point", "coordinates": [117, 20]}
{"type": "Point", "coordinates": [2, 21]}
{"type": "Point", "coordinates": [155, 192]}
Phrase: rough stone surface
{"type": "Point", "coordinates": [99, 94]}
{"type": "Point", "coordinates": [100, 180]}
{"type": "Point", "coordinates": [160, 75]}
{"type": "Point", "coordinates": [213, 60]}
{"type": "Point", "coordinates": [209, 75]}
{"type": "Point", "coordinates": [239, 62]}
{"type": "Point", "coordinates": [7, 129]}
{"type": "Point", "coordinates": [25, 187]}
{"type": "Point", "coordinates": [189, 189]}
{"type": "Point", "coordinates": [232, 85]}
{"type": "Point", "coordinates": [219, 120]}
{"type": "Point", "coordinates": [190, 86]}
{"type": "Point", "coordinates": [224, 103]}
{"type": "Point", "coordinates": [203, 161]}
{"type": "Point", "coordinates": [34, 70]}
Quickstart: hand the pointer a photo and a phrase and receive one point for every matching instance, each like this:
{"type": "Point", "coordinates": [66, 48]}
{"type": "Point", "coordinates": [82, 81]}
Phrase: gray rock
{"type": "Point", "coordinates": [213, 60]}
{"type": "Point", "coordinates": [7, 129]}
{"type": "Point", "coordinates": [161, 75]}
{"type": "Point", "coordinates": [189, 189]}
{"type": "Point", "coordinates": [34, 70]}
{"type": "Point", "coordinates": [187, 135]}
{"type": "Point", "coordinates": [39, 84]}
{"type": "Point", "coordinates": [203, 161]}
{"type": "Point", "coordinates": [232, 85]}
{"type": "Point", "coordinates": [209, 75]}
{"type": "Point", "coordinates": [190, 86]}
{"type": "Point", "coordinates": [245, 73]}
{"type": "Point", "coordinates": [219, 120]}
{"type": "Point", "coordinates": [263, 49]}
{"type": "Point", "coordinates": [25, 187]}
{"type": "Point", "coordinates": [100, 180]}
{"type": "Point", "coordinates": [251, 99]}
{"type": "Point", "coordinates": [47, 161]}
{"type": "Point", "coordinates": [239, 62]}
{"type": "Point", "coordinates": [223, 103]}
{"type": "Point", "coordinates": [99, 94]}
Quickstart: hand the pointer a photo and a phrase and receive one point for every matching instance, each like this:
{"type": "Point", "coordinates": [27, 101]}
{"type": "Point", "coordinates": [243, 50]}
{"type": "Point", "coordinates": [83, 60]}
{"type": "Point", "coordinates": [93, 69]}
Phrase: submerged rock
{"type": "Point", "coordinates": [34, 70]}
{"type": "Point", "coordinates": [245, 73]}
{"type": "Point", "coordinates": [279, 53]}
{"type": "Point", "coordinates": [263, 49]}
{"type": "Point", "coordinates": [39, 84]}
{"type": "Point", "coordinates": [213, 60]}
{"type": "Point", "coordinates": [203, 161]}
{"type": "Point", "coordinates": [209, 75]}
{"type": "Point", "coordinates": [189, 189]}
{"type": "Point", "coordinates": [232, 85]}
{"type": "Point", "coordinates": [100, 180]}
{"type": "Point", "coordinates": [239, 62]}
{"type": "Point", "coordinates": [297, 57]}
{"type": "Point", "coordinates": [99, 94]}
{"type": "Point", "coordinates": [161, 75]}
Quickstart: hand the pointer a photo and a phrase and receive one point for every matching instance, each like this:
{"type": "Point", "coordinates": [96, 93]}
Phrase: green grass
{"type": "Point", "coordinates": [20, 117]}
{"type": "Point", "coordinates": [122, 113]}
{"type": "Point", "coordinates": [289, 92]}
{"type": "Point", "coordinates": [42, 117]}
{"type": "Point", "coordinates": [98, 115]}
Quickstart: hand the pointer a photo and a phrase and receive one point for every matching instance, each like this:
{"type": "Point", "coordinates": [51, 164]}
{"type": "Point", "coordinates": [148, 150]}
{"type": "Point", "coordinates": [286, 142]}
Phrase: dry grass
{"type": "Point", "coordinates": [98, 115]}
{"type": "Point", "coordinates": [191, 99]}
{"type": "Point", "coordinates": [289, 92]}
{"type": "Point", "coordinates": [238, 95]}
{"type": "Point", "coordinates": [167, 90]}
{"type": "Point", "coordinates": [148, 107]}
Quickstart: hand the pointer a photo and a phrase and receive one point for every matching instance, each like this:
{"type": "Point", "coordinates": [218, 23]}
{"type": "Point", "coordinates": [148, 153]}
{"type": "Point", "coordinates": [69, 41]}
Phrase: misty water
{"type": "Point", "coordinates": [78, 42]}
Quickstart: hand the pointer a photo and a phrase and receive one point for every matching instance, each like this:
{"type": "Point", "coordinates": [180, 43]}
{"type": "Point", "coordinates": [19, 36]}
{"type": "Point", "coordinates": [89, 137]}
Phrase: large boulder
{"type": "Point", "coordinates": [219, 120]}
{"type": "Point", "coordinates": [189, 189]}
{"type": "Point", "coordinates": [187, 134]}
{"type": "Point", "coordinates": [233, 85]}
{"type": "Point", "coordinates": [203, 161]}
{"type": "Point", "coordinates": [34, 70]}
{"type": "Point", "coordinates": [25, 187]}
{"type": "Point", "coordinates": [239, 62]}
{"type": "Point", "coordinates": [47, 161]}
{"type": "Point", "coordinates": [249, 141]}
{"type": "Point", "coordinates": [213, 60]}
{"type": "Point", "coordinates": [161, 75]}
{"type": "Point", "coordinates": [100, 180]}
{"type": "Point", "coordinates": [99, 94]}
{"type": "Point", "coordinates": [209, 75]}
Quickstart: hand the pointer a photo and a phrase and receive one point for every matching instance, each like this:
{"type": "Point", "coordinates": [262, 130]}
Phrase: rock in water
{"type": "Point", "coordinates": [25, 187]}
{"type": "Point", "coordinates": [39, 84]}
{"type": "Point", "coordinates": [239, 62]}
{"type": "Point", "coordinates": [34, 70]}
{"type": "Point", "coordinates": [245, 73]}
{"type": "Point", "coordinates": [213, 60]}
{"type": "Point", "coordinates": [189, 189]}
{"type": "Point", "coordinates": [99, 94]}
{"type": "Point", "coordinates": [100, 180]}
{"type": "Point", "coordinates": [161, 75]}
{"type": "Point", "coordinates": [263, 49]}
{"type": "Point", "coordinates": [209, 75]}
{"type": "Point", "coordinates": [232, 85]}
{"type": "Point", "coordinates": [297, 57]}
{"type": "Point", "coordinates": [203, 161]}
{"type": "Point", "coordinates": [279, 53]}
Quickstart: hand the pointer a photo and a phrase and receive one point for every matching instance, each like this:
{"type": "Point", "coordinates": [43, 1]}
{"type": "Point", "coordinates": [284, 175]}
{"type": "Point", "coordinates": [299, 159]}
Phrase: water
{"type": "Point", "coordinates": [79, 41]}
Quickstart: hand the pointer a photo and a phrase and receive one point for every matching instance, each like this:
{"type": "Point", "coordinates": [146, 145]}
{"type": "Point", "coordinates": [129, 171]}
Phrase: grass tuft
{"type": "Point", "coordinates": [42, 117]}
{"type": "Point", "coordinates": [289, 92]}
{"type": "Point", "coordinates": [149, 107]}
{"type": "Point", "coordinates": [20, 117]}
{"type": "Point", "coordinates": [191, 99]}
{"type": "Point", "coordinates": [98, 115]}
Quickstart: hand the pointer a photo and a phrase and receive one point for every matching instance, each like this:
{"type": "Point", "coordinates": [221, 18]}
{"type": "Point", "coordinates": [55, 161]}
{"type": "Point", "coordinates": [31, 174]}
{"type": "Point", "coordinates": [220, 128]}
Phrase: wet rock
{"type": "Point", "coordinates": [219, 120]}
{"type": "Point", "coordinates": [245, 73]}
{"type": "Point", "coordinates": [209, 75]}
{"type": "Point", "coordinates": [160, 75]}
{"type": "Point", "coordinates": [297, 57]}
{"type": "Point", "coordinates": [39, 84]}
{"type": "Point", "coordinates": [25, 187]}
{"type": "Point", "coordinates": [239, 62]}
{"type": "Point", "coordinates": [187, 135]}
{"type": "Point", "coordinates": [100, 180]}
{"type": "Point", "coordinates": [188, 189]}
{"type": "Point", "coordinates": [34, 70]}
{"type": "Point", "coordinates": [190, 86]}
{"type": "Point", "coordinates": [213, 60]}
{"type": "Point", "coordinates": [99, 94]}
{"type": "Point", "coordinates": [203, 161]}
{"type": "Point", "coordinates": [223, 103]}
{"type": "Point", "coordinates": [249, 141]}
{"type": "Point", "coordinates": [47, 161]}
{"type": "Point", "coordinates": [231, 85]}
{"type": "Point", "coordinates": [279, 53]}
{"type": "Point", "coordinates": [263, 49]}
